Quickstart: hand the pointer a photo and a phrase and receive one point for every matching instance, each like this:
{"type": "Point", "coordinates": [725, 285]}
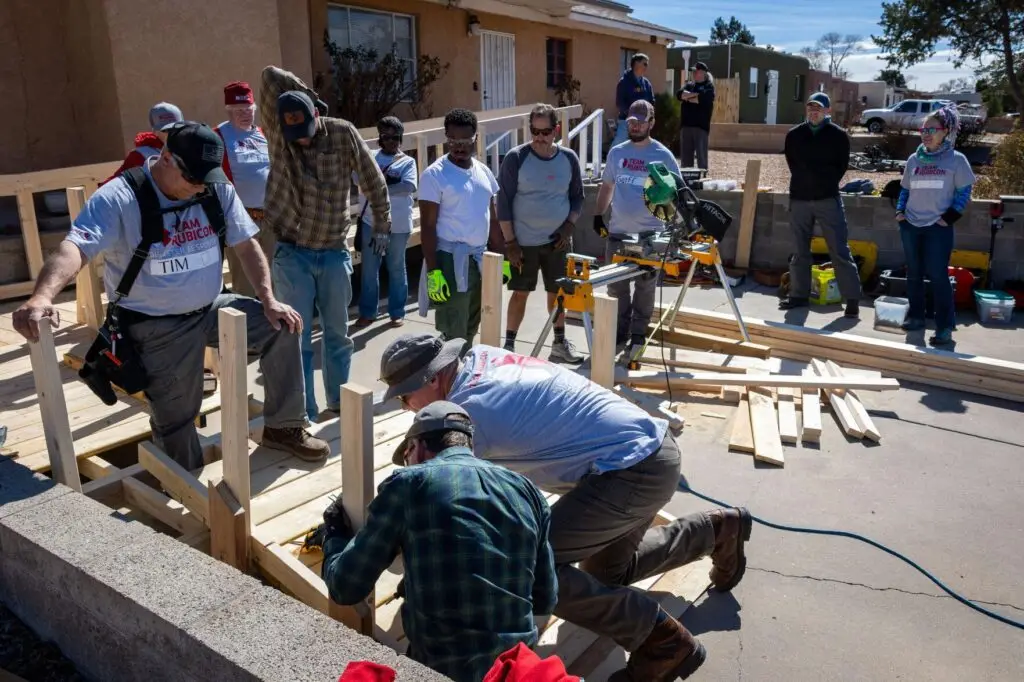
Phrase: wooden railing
{"type": "Point", "coordinates": [426, 138]}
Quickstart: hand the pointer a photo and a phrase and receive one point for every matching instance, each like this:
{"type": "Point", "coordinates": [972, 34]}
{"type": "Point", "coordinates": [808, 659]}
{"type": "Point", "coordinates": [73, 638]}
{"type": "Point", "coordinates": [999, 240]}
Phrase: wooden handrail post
{"type": "Point", "coordinates": [87, 284]}
{"type": "Point", "coordinates": [602, 354]}
{"type": "Point", "coordinates": [491, 299]}
{"type": "Point", "coordinates": [53, 409]}
{"type": "Point", "coordinates": [356, 483]}
{"type": "Point", "coordinates": [234, 402]}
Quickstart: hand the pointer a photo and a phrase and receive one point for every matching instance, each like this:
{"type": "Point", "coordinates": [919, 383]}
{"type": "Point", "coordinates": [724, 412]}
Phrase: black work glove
{"type": "Point", "coordinates": [400, 590]}
{"type": "Point", "coordinates": [336, 521]}
{"type": "Point", "coordinates": [599, 226]}
{"type": "Point", "coordinates": [391, 179]}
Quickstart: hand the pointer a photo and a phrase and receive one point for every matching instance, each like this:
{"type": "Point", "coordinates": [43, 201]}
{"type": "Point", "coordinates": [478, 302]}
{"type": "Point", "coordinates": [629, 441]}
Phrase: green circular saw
{"type": "Point", "coordinates": [660, 191]}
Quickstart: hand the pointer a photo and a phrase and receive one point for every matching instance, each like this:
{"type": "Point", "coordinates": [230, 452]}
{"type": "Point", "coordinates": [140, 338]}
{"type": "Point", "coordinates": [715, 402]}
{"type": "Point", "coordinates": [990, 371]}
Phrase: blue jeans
{"type": "Point", "coordinates": [398, 280]}
{"type": "Point", "coordinates": [621, 132]}
{"type": "Point", "coordinates": [927, 250]}
{"type": "Point", "coordinates": [321, 280]}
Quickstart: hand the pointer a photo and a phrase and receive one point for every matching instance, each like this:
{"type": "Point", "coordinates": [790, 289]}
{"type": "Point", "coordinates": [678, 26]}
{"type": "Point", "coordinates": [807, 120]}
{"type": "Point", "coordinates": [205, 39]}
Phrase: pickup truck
{"type": "Point", "coordinates": [911, 113]}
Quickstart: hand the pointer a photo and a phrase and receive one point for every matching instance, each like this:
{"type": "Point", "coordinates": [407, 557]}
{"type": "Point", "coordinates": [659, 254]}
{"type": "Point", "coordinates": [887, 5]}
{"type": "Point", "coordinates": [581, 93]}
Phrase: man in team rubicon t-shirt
{"type": "Point", "coordinates": [247, 165]}
{"type": "Point", "coordinates": [168, 313]}
{"type": "Point", "coordinates": [151, 142]}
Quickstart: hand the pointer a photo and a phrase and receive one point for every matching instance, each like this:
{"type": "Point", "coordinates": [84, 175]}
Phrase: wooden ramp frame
{"type": "Point", "coordinates": [254, 506]}
{"type": "Point", "coordinates": [52, 417]}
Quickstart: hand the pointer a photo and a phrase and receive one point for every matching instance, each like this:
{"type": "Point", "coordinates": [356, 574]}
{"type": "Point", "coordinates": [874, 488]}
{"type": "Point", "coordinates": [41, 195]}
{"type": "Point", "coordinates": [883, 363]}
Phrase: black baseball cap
{"type": "Point", "coordinates": [198, 150]}
{"type": "Point", "coordinates": [700, 66]}
{"type": "Point", "coordinates": [296, 112]}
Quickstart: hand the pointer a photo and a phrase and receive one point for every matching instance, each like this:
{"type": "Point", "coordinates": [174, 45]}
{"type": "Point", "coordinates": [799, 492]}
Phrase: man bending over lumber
{"type": "Point", "coordinates": [474, 541]}
{"type": "Point", "coordinates": [615, 467]}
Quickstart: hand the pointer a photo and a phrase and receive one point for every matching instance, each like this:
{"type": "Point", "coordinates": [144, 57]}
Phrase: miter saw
{"type": "Point", "coordinates": [694, 227]}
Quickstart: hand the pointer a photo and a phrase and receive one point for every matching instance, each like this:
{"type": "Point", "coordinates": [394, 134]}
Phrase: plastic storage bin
{"type": "Point", "coordinates": [994, 307]}
{"type": "Point", "coordinates": [894, 283]}
{"type": "Point", "coordinates": [891, 313]}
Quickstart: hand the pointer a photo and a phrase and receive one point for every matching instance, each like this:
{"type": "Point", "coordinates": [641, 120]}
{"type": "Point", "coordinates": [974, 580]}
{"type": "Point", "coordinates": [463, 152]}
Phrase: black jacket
{"type": "Point", "coordinates": [697, 114]}
{"type": "Point", "coordinates": [817, 161]}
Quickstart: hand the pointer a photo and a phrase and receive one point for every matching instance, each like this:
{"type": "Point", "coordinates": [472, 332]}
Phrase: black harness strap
{"type": "Point", "coordinates": [153, 223]}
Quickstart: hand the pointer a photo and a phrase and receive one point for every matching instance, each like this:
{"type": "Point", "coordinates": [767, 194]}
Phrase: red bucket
{"type": "Point", "coordinates": [964, 292]}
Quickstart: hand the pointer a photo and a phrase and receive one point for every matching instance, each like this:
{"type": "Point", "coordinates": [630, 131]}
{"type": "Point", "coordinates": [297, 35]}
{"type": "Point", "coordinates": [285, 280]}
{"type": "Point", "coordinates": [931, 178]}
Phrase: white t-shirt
{"type": "Point", "coordinates": [464, 196]}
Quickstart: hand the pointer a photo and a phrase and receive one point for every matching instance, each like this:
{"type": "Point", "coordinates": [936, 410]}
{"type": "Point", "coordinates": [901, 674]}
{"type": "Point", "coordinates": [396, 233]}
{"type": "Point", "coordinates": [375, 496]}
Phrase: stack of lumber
{"type": "Point", "coordinates": [774, 409]}
{"type": "Point", "coordinates": [929, 366]}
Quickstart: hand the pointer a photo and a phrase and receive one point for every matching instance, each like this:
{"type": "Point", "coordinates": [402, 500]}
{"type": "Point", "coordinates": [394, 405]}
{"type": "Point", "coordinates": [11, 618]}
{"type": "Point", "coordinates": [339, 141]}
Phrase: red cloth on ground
{"type": "Point", "coordinates": [365, 671]}
{"type": "Point", "coordinates": [522, 664]}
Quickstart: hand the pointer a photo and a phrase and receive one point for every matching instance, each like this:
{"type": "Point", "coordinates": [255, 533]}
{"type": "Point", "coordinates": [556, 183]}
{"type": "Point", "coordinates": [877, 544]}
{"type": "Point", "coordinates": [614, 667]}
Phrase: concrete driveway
{"type": "Point", "coordinates": [945, 487]}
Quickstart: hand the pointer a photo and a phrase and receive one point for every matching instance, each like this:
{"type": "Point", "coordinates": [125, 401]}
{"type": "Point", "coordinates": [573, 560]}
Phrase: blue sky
{"type": "Point", "coordinates": [791, 24]}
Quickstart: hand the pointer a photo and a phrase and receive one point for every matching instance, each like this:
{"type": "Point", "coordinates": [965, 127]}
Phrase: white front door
{"type": "Point", "coordinates": [497, 76]}
{"type": "Point", "coordinates": [773, 98]}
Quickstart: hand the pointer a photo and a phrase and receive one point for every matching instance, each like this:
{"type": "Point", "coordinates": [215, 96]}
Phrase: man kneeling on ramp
{"type": "Point", "coordinates": [615, 468]}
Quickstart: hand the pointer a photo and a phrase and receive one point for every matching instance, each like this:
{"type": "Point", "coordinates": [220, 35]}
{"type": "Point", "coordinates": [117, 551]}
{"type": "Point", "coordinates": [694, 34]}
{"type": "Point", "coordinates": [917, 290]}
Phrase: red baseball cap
{"type": "Point", "coordinates": [238, 92]}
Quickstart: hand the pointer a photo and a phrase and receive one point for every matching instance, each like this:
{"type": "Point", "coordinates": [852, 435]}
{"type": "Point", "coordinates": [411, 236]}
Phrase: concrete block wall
{"type": "Point", "coordinates": [870, 218]}
{"type": "Point", "coordinates": [127, 603]}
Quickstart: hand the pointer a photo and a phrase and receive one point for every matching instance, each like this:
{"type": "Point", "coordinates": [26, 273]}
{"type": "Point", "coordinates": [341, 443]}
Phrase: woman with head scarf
{"type": "Point", "coordinates": [934, 194]}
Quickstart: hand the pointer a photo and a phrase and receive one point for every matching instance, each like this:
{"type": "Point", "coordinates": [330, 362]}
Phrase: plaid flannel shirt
{"type": "Point", "coordinates": [478, 565]}
{"type": "Point", "coordinates": [308, 188]}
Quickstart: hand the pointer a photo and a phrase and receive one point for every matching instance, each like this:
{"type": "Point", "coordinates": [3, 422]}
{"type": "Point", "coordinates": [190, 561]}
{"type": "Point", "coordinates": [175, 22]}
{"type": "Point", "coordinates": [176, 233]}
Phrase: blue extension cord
{"type": "Point", "coordinates": [844, 534]}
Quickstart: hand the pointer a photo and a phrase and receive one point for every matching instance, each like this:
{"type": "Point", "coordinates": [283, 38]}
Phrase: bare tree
{"type": "Point", "coordinates": [835, 48]}
{"type": "Point", "coordinates": [814, 56]}
{"type": "Point", "coordinates": [962, 84]}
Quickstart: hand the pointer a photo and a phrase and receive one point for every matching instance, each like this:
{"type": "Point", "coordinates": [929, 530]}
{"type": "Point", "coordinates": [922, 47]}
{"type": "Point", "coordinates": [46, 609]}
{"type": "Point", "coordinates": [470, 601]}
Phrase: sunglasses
{"type": "Point", "coordinates": [461, 142]}
{"type": "Point", "coordinates": [184, 171]}
{"type": "Point", "coordinates": [931, 130]}
{"type": "Point", "coordinates": [390, 138]}
{"type": "Point", "coordinates": [541, 132]}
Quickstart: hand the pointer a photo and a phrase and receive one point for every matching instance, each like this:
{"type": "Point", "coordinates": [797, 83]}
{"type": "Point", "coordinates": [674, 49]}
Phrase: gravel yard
{"type": "Point", "coordinates": [23, 654]}
{"type": "Point", "coordinates": [774, 172]}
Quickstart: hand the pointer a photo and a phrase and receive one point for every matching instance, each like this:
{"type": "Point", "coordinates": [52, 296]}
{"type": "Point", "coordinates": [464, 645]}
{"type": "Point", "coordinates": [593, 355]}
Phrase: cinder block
{"type": "Point", "coordinates": [161, 586]}
{"type": "Point", "coordinates": [100, 650]}
{"type": "Point", "coordinates": [859, 218]}
{"type": "Point", "coordinates": [20, 489]}
{"type": "Point", "coordinates": [274, 637]}
{"type": "Point", "coordinates": [70, 527]}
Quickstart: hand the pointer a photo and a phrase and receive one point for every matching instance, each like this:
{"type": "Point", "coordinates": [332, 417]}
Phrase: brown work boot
{"type": "Point", "coordinates": [670, 652]}
{"type": "Point", "coordinates": [732, 529]}
{"type": "Point", "coordinates": [298, 442]}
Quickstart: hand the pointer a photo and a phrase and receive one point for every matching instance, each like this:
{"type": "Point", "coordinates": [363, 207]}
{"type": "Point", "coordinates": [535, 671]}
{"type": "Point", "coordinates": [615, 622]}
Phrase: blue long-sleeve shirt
{"type": "Point", "coordinates": [630, 89]}
{"type": "Point", "coordinates": [478, 565]}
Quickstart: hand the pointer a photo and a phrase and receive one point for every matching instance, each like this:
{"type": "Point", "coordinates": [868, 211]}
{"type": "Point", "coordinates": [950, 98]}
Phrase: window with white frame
{"type": "Point", "coordinates": [755, 89]}
{"type": "Point", "coordinates": [627, 57]}
{"type": "Point", "coordinates": [382, 32]}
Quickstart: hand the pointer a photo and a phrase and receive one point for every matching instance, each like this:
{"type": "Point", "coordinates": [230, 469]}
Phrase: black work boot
{"type": "Point", "coordinates": [853, 308]}
{"type": "Point", "coordinates": [670, 652]}
{"type": "Point", "coordinates": [732, 529]}
{"type": "Point", "coordinates": [791, 302]}
{"type": "Point", "coordinates": [298, 442]}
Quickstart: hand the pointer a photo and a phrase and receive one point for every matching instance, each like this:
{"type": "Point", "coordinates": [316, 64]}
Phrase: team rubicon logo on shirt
{"type": "Point", "coordinates": [633, 165]}
{"type": "Point", "coordinates": [189, 231]}
{"type": "Point", "coordinates": [929, 170]}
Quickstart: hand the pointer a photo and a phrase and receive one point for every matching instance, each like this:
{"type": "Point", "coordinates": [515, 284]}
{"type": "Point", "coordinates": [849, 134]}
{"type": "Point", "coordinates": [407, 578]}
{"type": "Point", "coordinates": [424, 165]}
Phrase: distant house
{"type": "Point", "coordinates": [879, 94]}
{"type": "Point", "coordinates": [773, 85]}
{"type": "Point", "coordinates": [958, 97]}
{"type": "Point", "coordinates": [846, 105]}
{"type": "Point", "coordinates": [88, 72]}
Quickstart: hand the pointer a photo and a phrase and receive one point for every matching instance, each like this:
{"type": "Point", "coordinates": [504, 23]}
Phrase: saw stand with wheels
{"type": "Point", "coordinates": [693, 229]}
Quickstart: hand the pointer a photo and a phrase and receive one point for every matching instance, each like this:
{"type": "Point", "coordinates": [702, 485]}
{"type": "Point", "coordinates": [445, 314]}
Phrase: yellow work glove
{"type": "Point", "coordinates": [437, 287]}
{"type": "Point", "coordinates": [506, 272]}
